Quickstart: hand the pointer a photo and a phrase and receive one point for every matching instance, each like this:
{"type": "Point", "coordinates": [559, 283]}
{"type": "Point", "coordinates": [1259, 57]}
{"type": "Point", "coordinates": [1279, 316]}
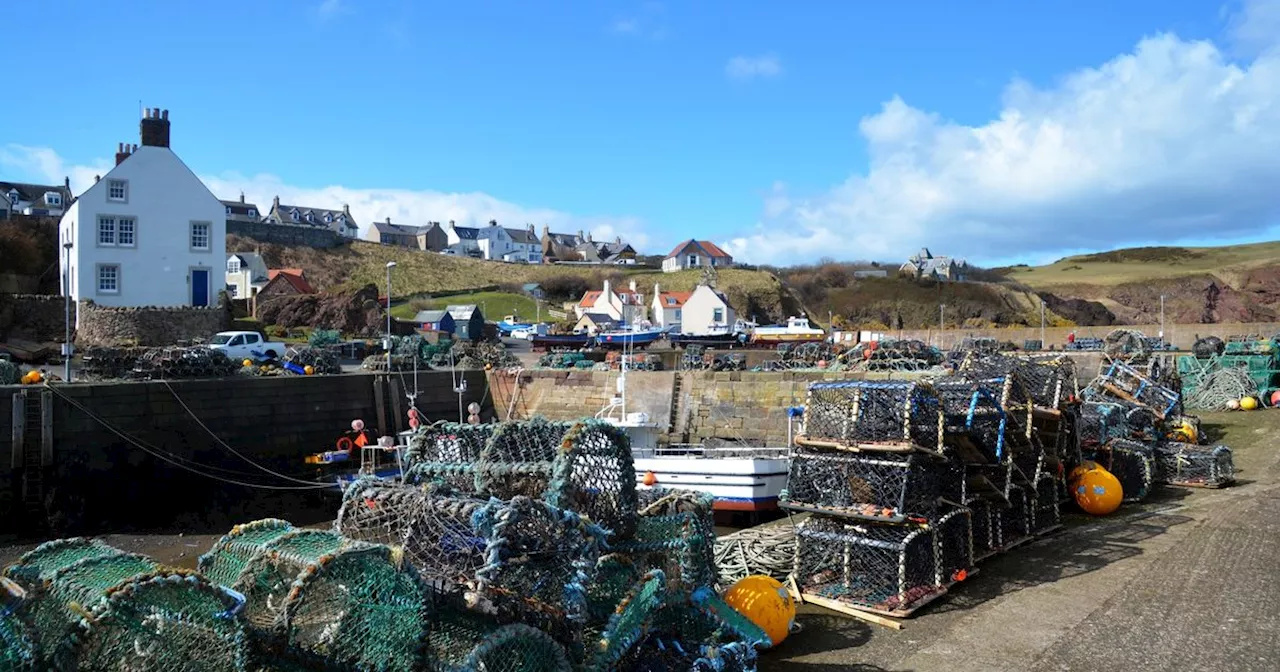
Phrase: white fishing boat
{"type": "Point", "coordinates": [797, 330]}
{"type": "Point", "coordinates": [739, 478]}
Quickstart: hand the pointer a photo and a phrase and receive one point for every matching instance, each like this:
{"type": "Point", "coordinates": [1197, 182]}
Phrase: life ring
{"type": "Point", "coordinates": [344, 443]}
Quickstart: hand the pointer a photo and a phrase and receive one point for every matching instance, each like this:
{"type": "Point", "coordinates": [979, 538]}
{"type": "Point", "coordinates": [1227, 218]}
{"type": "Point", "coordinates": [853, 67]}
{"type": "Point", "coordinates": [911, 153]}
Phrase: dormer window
{"type": "Point", "coordinates": [228, 209]}
{"type": "Point", "coordinates": [309, 218]}
{"type": "Point", "coordinates": [293, 214]}
{"type": "Point", "coordinates": [13, 196]}
{"type": "Point", "coordinates": [253, 213]}
{"type": "Point", "coordinates": [52, 198]}
{"type": "Point", "coordinates": [328, 218]}
{"type": "Point", "coordinates": [233, 265]}
{"type": "Point", "coordinates": [342, 219]}
{"type": "Point", "coordinates": [671, 300]}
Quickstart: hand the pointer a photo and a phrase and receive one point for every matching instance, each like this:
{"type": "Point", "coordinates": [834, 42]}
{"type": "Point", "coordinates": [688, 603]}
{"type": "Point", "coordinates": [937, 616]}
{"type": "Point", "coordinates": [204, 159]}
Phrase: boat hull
{"type": "Point", "coordinates": [787, 338]}
{"type": "Point", "coordinates": [736, 484]}
{"type": "Point", "coordinates": [560, 341]}
{"type": "Point", "coordinates": [711, 341]}
{"type": "Point", "coordinates": [620, 339]}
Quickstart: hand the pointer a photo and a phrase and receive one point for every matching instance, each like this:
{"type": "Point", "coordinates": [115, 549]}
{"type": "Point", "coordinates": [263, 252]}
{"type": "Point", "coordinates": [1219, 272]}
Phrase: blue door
{"type": "Point", "coordinates": [199, 287]}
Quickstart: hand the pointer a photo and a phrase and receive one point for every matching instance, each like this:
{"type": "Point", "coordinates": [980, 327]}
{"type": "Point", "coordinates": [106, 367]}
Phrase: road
{"type": "Point", "coordinates": [1187, 581]}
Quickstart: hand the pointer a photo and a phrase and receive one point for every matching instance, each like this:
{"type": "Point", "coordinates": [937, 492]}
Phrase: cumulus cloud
{"type": "Point", "coordinates": [403, 206]}
{"type": "Point", "coordinates": [752, 67]}
{"type": "Point", "coordinates": [1171, 141]}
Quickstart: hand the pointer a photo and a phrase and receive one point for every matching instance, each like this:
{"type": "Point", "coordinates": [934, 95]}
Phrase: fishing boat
{"type": "Point", "coordinates": [738, 478]}
{"type": "Point", "coordinates": [629, 337]}
{"type": "Point", "coordinates": [560, 340]}
{"type": "Point", "coordinates": [716, 337]}
{"type": "Point", "coordinates": [351, 460]}
{"type": "Point", "coordinates": [506, 326]}
{"type": "Point", "coordinates": [797, 330]}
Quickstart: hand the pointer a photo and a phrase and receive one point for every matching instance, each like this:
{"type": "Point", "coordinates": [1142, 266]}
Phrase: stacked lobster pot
{"type": "Point", "coordinates": [889, 531]}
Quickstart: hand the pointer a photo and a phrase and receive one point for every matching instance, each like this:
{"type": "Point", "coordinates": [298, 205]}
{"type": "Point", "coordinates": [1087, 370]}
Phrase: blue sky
{"type": "Point", "coordinates": [787, 131]}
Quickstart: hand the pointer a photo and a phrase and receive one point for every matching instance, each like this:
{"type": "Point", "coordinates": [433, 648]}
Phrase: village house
{"type": "Point", "coordinates": [468, 321]}
{"type": "Point", "coordinates": [627, 307]}
{"type": "Point", "coordinates": [430, 238]}
{"type": "Point", "coordinates": [668, 307]}
{"type": "Point", "coordinates": [338, 221]}
{"type": "Point", "coordinates": [240, 211]}
{"type": "Point", "coordinates": [35, 199]}
{"type": "Point", "coordinates": [580, 248]}
{"type": "Point", "coordinates": [526, 247]}
{"type": "Point", "coordinates": [923, 265]}
{"type": "Point", "coordinates": [560, 246]}
{"type": "Point", "coordinates": [246, 274]}
{"type": "Point", "coordinates": [706, 311]}
{"type": "Point", "coordinates": [464, 241]}
{"type": "Point", "coordinates": [148, 233]}
{"type": "Point", "coordinates": [593, 324]}
{"type": "Point", "coordinates": [696, 254]}
{"type": "Point", "coordinates": [285, 282]}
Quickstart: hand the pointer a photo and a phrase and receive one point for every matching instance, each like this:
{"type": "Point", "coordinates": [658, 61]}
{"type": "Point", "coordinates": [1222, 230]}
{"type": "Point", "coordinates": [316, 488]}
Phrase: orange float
{"type": "Point", "coordinates": [765, 602]}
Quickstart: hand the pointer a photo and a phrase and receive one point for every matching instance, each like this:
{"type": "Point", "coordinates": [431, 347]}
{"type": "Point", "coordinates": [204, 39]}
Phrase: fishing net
{"type": "Point", "coordinates": [469, 642]}
{"type": "Point", "coordinates": [1217, 389]}
{"type": "Point", "coordinates": [675, 533]}
{"type": "Point", "coordinates": [10, 373]}
{"type": "Point", "coordinates": [698, 632]}
{"type": "Point", "coordinates": [890, 355]}
{"type": "Point", "coordinates": [985, 418]}
{"type": "Point", "coordinates": [1015, 521]}
{"type": "Point", "coordinates": [95, 607]}
{"type": "Point", "coordinates": [888, 415]}
{"type": "Point", "coordinates": [954, 533]}
{"type": "Point", "coordinates": [318, 597]}
{"type": "Point", "coordinates": [884, 487]}
{"type": "Point", "coordinates": [1101, 421]}
{"type": "Point", "coordinates": [887, 568]}
{"type": "Point", "coordinates": [1046, 494]}
{"type": "Point", "coordinates": [1126, 345]}
{"type": "Point", "coordinates": [109, 362]}
{"type": "Point", "coordinates": [584, 467]}
{"type": "Point", "coordinates": [321, 360]}
{"type": "Point", "coordinates": [985, 537]}
{"type": "Point", "coordinates": [1050, 380]}
{"type": "Point", "coordinates": [1123, 382]}
{"type": "Point", "coordinates": [767, 550]}
{"type": "Point", "coordinates": [169, 363]}
{"type": "Point", "coordinates": [1207, 347]}
{"type": "Point", "coordinates": [1192, 465]}
{"type": "Point", "coordinates": [1132, 463]}
{"type": "Point", "coordinates": [17, 649]}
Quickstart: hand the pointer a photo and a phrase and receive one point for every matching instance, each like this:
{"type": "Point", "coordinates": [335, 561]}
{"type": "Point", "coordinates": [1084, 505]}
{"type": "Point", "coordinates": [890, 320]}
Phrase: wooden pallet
{"type": "Point", "coordinates": [866, 446]}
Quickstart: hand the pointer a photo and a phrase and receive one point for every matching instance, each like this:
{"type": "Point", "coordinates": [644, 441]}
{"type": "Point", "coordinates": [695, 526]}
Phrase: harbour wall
{"type": "Point", "coordinates": [102, 471]}
{"type": "Point", "coordinates": [1182, 336]}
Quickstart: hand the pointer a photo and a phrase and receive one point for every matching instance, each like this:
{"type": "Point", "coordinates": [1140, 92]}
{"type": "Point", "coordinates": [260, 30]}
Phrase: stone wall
{"type": "Point", "coordinates": [34, 317]}
{"type": "Point", "coordinates": [99, 481]}
{"type": "Point", "coordinates": [1181, 335]}
{"type": "Point", "coordinates": [285, 234]}
{"type": "Point", "coordinates": [149, 325]}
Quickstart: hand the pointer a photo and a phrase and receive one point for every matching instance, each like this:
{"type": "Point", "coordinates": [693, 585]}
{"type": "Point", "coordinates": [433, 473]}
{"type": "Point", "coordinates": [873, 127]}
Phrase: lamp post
{"type": "Point", "coordinates": [66, 293]}
{"type": "Point", "coordinates": [1042, 323]}
{"type": "Point", "coordinates": [1162, 316]}
{"type": "Point", "coordinates": [390, 265]}
{"type": "Point", "coordinates": [942, 307]}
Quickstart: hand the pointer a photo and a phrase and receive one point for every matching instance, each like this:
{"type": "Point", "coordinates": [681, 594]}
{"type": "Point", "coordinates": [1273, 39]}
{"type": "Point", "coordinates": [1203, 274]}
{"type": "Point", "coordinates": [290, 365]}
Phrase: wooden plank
{"type": "Point", "coordinates": [46, 428]}
{"type": "Point", "coordinates": [380, 403]}
{"type": "Point", "coordinates": [397, 406]}
{"type": "Point", "coordinates": [854, 612]}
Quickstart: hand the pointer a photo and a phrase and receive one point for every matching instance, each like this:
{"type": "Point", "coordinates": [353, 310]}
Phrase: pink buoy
{"type": "Point", "coordinates": [1275, 399]}
{"type": "Point", "coordinates": [357, 425]}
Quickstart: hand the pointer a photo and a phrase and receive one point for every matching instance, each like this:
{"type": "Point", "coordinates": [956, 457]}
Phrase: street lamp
{"type": "Point", "coordinates": [66, 293]}
{"type": "Point", "coordinates": [1162, 316]}
{"type": "Point", "coordinates": [942, 307]}
{"type": "Point", "coordinates": [390, 265]}
{"type": "Point", "coordinates": [1042, 344]}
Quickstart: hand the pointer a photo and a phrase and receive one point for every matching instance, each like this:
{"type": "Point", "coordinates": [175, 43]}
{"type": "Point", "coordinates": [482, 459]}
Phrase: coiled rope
{"type": "Point", "coordinates": [769, 550]}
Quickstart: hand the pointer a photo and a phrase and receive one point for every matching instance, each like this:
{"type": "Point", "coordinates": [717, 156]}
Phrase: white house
{"type": "Point", "coordinates": [696, 254]}
{"type": "Point", "coordinates": [706, 310]}
{"type": "Point", "coordinates": [148, 233]}
{"type": "Point", "coordinates": [526, 246]}
{"type": "Point", "coordinates": [246, 274]}
{"type": "Point", "coordinates": [667, 307]}
{"type": "Point", "coordinates": [627, 306]}
{"type": "Point", "coordinates": [339, 221]}
{"type": "Point", "coordinates": [463, 240]}
{"type": "Point", "coordinates": [35, 199]}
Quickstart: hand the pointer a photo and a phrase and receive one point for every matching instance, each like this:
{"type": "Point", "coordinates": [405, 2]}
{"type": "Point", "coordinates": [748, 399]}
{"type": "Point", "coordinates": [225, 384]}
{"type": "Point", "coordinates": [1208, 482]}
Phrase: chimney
{"type": "Point", "coordinates": [96, 178]}
{"type": "Point", "coordinates": [606, 290]}
{"type": "Point", "coordinates": [531, 228]}
{"type": "Point", "coordinates": [154, 128]}
{"type": "Point", "coordinates": [346, 209]}
{"type": "Point", "coordinates": [546, 229]}
{"type": "Point", "coordinates": [657, 291]}
{"type": "Point", "coordinates": [493, 222]}
{"type": "Point", "coordinates": [617, 240]}
{"type": "Point", "coordinates": [242, 197]}
{"type": "Point", "coordinates": [122, 153]}
{"type": "Point", "coordinates": [388, 220]}
{"type": "Point", "coordinates": [66, 183]}
{"type": "Point", "coordinates": [580, 236]}
{"type": "Point", "coordinates": [633, 286]}
{"type": "Point", "coordinates": [450, 225]}
{"type": "Point", "coordinates": [589, 237]}
{"type": "Point", "coordinates": [275, 203]}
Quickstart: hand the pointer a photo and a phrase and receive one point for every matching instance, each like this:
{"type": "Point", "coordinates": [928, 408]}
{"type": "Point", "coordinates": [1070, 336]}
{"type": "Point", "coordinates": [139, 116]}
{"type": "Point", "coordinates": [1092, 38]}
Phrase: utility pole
{"type": "Point", "coordinates": [1162, 316]}
{"type": "Point", "coordinates": [942, 307]}
{"type": "Point", "coordinates": [66, 293]}
{"type": "Point", "coordinates": [390, 265]}
{"type": "Point", "coordinates": [1042, 343]}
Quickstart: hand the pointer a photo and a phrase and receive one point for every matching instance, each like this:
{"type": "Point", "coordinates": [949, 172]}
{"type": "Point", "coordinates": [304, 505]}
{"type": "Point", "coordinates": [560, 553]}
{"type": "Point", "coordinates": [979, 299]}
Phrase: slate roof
{"type": "Point", "coordinates": [462, 312]}
{"type": "Point", "coordinates": [467, 233]}
{"type": "Point", "coordinates": [34, 193]}
{"type": "Point", "coordinates": [706, 247]}
{"type": "Point", "coordinates": [284, 214]}
{"type": "Point", "coordinates": [293, 276]}
{"type": "Point", "coordinates": [401, 229]}
{"type": "Point", "coordinates": [253, 261]}
{"type": "Point", "coordinates": [241, 209]}
{"type": "Point", "coordinates": [524, 236]}
{"type": "Point", "coordinates": [597, 318]}
{"type": "Point", "coordinates": [431, 316]}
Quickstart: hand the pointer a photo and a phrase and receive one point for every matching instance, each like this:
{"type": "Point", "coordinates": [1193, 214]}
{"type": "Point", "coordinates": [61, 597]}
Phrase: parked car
{"type": "Point", "coordinates": [246, 345]}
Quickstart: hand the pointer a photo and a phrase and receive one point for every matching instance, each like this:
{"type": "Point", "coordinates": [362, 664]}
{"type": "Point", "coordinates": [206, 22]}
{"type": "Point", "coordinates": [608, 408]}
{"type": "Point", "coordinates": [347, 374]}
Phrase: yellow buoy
{"type": "Point", "coordinates": [765, 602]}
{"type": "Point", "coordinates": [247, 362]}
{"type": "Point", "coordinates": [1096, 490]}
{"type": "Point", "coordinates": [32, 378]}
{"type": "Point", "coordinates": [309, 370]}
{"type": "Point", "coordinates": [1185, 432]}
{"type": "Point", "coordinates": [1248, 403]}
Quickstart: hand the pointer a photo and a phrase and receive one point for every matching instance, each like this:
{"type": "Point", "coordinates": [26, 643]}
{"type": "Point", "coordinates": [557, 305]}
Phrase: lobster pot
{"type": "Point", "coordinates": [318, 597]}
{"type": "Point", "coordinates": [584, 467]}
{"type": "Point", "coordinates": [687, 631]}
{"type": "Point", "coordinates": [94, 607]}
{"type": "Point", "coordinates": [1124, 381]}
{"type": "Point", "coordinates": [1015, 520]}
{"type": "Point", "coordinates": [1048, 379]}
{"type": "Point", "coordinates": [1102, 421]}
{"type": "Point", "coordinates": [524, 557]}
{"type": "Point", "coordinates": [985, 418]}
{"type": "Point", "coordinates": [954, 532]}
{"type": "Point", "coordinates": [875, 486]}
{"type": "Point", "coordinates": [469, 642]}
{"type": "Point", "coordinates": [985, 533]}
{"type": "Point", "coordinates": [1193, 465]}
{"type": "Point", "coordinates": [1060, 435]}
{"type": "Point", "coordinates": [1132, 463]}
{"type": "Point", "coordinates": [873, 414]}
{"type": "Point", "coordinates": [676, 534]}
{"type": "Point", "coordinates": [1046, 496]}
{"type": "Point", "coordinates": [887, 568]}
{"type": "Point", "coordinates": [17, 649]}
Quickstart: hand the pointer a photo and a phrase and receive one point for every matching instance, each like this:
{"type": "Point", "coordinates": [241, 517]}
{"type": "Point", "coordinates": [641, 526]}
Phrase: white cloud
{"type": "Point", "coordinates": [404, 206]}
{"type": "Point", "coordinates": [328, 9]}
{"type": "Point", "coordinates": [647, 21]}
{"type": "Point", "coordinates": [1172, 141]}
{"type": "Point", "coordinates": [751, 67]}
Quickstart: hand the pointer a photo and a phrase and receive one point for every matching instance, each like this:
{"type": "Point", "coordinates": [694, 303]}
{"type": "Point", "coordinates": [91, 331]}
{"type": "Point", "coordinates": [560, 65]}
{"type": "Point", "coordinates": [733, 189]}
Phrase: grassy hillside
{"type": "Point", "coordinates": [495, 305]}
{"type": "Point", "coordinates": [419, 273]}
{"type": "Point", "coordinates": [1148, 263]}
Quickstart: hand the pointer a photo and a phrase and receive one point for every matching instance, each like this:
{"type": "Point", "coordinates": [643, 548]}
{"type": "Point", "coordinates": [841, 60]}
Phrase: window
{"type": "Point", "coordinates": [238, 340]}
{"type": "Point", "coordinates": [253, 212]}
{"type": "Point", "coordinates": [108, 278]}
{"type": "Point", "coordinates": [250, 339]}
{"type": "Point", "coordinates": [693, 260]}
{"type": "Point", "coordinates": [117, 190]}
{"type": "Point", "coordinates": [678, 314]}
{"type": "Point", "coordinates": [126, 228]}
{"type": "Point", "coordinates": [233, 265]}
{"type": "Point", "coordinates": [293, 214]}
{"type": "Point", "coordinates": [671, 300]}
{"type": "Point", "coordinates": [53, 198]}
{"type": "Point", "coordinates": [308, 217]}
{"type": "Point", "coordinates": [199, 235]}
{"type": "Point", "coordinates": [106, 230]}
{"type": "Point", "coordinates": [717, 315]}
{"type": "Point", "coordinates": [231, 291]}
{"type": "Point", "coordinates": [228, 209]}
{"type": "Point", "coordinates": [328, 218]}
{"type": "Point", "coordinates": [13, 196]}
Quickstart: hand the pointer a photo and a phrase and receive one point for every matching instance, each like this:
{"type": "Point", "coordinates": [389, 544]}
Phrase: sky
{"type": "Point", "coordinates": [1002, 132]}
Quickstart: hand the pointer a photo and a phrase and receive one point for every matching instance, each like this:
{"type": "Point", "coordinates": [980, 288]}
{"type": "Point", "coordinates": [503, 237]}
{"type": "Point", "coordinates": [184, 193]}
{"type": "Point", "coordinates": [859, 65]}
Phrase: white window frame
{"type": "Point", "coordinates": [97, 280]}
{"type": "Point", "coordinates": [693, 260]}
{"type": "Point", "coordinates": [14, 197]}
{"type": "Point", "coordinates": [208, 237]}
{"type": "Point", "coordinates": [253, 212]}
{"type": "Point", "coordinates": [228, 209]}
{"type": "Point", "coordinates": [104, 219]}
{"type": "Point", "coordinates": [717, 315]}
{"type": "Point", "coordinates": [124, 191]}
{"type": "Point", "coordinates": [53, 198]}
{"type": "Point", "coordinates": [133, 231]}
{"type": "Point", "coordinates": [233, 265]}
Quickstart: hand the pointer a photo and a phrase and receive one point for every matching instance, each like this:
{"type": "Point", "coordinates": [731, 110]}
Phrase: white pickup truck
{"type": "Point", "coordinates": [246, 345]}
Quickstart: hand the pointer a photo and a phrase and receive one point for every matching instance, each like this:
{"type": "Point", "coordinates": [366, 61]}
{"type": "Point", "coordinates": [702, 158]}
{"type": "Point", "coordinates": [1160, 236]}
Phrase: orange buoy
{"type": "Point", "coordinates": [309, 370]}
{"type": "Point", "coordinates": [765, 602]}
{"type": "Point", "coordinates": [1096, 490]}
{"type": "Point", "coordinates": [650, 478]}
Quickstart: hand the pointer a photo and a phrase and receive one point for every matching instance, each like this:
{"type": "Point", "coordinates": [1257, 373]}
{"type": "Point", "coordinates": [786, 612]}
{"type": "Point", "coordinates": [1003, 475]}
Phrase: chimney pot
{"type": "Point", "coordinates": [242, 197]}
{"type": "Point", "coordinates": [388, 220]}
{"type": "Point", "coordinates": [154, 128]}
{"type": "Point", "coordinates": [66, 183]}
{"type": "Point", "coordinates": [164, 114]}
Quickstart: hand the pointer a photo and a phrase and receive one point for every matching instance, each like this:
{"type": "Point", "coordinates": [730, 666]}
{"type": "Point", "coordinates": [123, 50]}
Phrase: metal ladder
{"type": "Point", "coordinates": [677, 389]}
{"type": "Point", "coordinates": [33, 448]}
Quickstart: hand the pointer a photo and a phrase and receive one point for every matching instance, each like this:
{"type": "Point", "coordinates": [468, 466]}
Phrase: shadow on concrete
{"type": "Point", "coordinates": [1086, 545]}
{"type": "Point", "coordinates": [823, 633]}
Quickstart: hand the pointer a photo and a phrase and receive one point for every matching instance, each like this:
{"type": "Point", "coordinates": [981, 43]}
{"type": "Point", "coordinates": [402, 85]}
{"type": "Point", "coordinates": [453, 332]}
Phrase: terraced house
{"type": "Point", "coordinates": [35, 199]}
{"type": "Point", "coordinates": [430, 238]}
{"type": "Point", "coordinates": [339, 221]}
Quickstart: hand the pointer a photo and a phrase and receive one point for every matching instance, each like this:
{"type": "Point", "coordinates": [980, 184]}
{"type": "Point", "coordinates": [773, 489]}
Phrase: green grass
{"type": "Point", "coordinates": [1143, 264]}
{"type": "Point", "coordinates": [495, 305]}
